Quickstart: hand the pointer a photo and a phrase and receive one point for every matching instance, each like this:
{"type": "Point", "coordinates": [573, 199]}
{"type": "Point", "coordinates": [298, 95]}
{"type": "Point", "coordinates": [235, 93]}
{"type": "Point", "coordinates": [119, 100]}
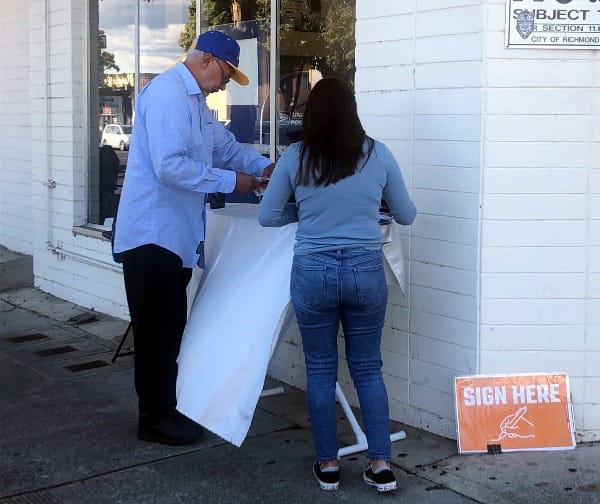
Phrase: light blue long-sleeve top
{"type": "Point", "coordinates": [340, 215]}
{"type": "Point", "coordinates": [178, 153]}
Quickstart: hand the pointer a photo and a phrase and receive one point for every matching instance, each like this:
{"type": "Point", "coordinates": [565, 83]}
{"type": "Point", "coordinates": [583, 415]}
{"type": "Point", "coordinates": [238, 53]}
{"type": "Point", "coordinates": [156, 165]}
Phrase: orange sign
{"type": "Point", "coordinates": [513, 413]}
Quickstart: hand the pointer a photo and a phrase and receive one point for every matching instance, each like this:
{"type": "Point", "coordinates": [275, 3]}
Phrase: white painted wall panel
{"type": "Point", "coordinates": [384, 8]}
{"type": "Point", "coordinates": [449, 20]}
{"type": "Point", "coordinates": [399, 78]}
{"type": "Point", "coordinates": [553, 158]}
{"type": "Point", "coordinates": [544, 101]}
{"type": "Point", "coordinates": [446, 229]}
{"type": "Point", "coordinates": [439, 327]}
{"type": "Point", "coordinates": [456, 74]}
{"type": "Point", "coordinates": [448, 203]}
{"type": "Point", "coordinates": [434, 86]}
{"type": "Point", "coordinates": [532, 180]}
{"type": "Point", "coordinates": [444, 278]}
{"type": "Point", "coordinates": [391, 27]}
{"type": "Point", "coordinates": [533, 337]}
{"type": "Point", "coordinates": [541, 131]}
{"type": "Point", "coordinates": [448, 101]}
{"type": "Point", "coordinates": [448, 304]}
{"type": "Point", "coordinates": [533, 286]}
{"type": "Point", "coordinates": [533, 259]}
{"type": "Point", "coordinates": [451, 128]}
{"type": "Point", "coordinates": [444, 253]}
{"type": "Point", "coordinates": [538, 73]}
{"type": "Point", "coordinates": [536, 206]}
{"type": "Point", "coordinates": [457, 179]}
{"type": "Point", "coordinates": [393, 52]}
{"type": "Point", "coordinates": [538, 361]}
{"type": "Point", "coordinates": [445, 48]}
{"type": "Point", "coordinates": [426, 5]}
{"type": "Point", "coordinates": [442, 152]}
{"type": "Point", "coordinates": [540, 233]}
{"type": "Point", "coordinates": [16, 224]}
{"type": "Point", "coordinates": [536, 128]}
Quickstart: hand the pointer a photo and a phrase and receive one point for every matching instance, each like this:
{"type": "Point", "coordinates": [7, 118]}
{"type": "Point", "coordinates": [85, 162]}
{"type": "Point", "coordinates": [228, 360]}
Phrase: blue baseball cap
{"type": "Point", "coordinates": [226, 49]}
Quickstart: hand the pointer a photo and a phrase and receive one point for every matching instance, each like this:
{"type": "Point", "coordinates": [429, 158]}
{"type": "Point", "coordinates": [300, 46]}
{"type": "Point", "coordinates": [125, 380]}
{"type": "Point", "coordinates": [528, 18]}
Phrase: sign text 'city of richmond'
{"type": "Point", "coordinates": [560, 24]}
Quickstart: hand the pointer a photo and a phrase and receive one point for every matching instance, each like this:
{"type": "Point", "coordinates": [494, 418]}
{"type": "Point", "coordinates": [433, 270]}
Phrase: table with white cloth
{"type": "Point", "coordinates": [240, 308]}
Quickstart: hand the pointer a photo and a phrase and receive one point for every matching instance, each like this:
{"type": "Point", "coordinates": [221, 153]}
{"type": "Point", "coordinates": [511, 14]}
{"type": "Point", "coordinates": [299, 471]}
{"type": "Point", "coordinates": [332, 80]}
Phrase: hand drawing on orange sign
{"type": "Point", "coordinates": [511, 422]}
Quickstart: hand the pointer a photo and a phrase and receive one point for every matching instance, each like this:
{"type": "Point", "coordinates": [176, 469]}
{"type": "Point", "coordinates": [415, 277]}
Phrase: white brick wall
{"type": "Point", "coordinates": [427, 72]}
{"type": "Point", "coordinates": [38, 147]}
{"type": "Point", "coordinates": [15, 118]}
{"type": "Point", "coordinates": [539, 274]}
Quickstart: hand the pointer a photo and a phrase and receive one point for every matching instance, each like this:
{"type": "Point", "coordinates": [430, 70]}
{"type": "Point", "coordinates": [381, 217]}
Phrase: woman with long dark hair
{"type": "Point", "coordinates": [338, 176]}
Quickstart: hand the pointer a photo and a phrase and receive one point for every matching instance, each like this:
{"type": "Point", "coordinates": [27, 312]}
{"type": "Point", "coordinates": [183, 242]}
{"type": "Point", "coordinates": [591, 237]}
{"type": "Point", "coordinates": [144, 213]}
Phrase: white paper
{"type": "Point", "coordinates": [241, 306]}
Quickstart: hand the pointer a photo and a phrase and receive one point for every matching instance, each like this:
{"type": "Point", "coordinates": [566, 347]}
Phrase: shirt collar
{"type": "Point", "coordinates": [190, 83]}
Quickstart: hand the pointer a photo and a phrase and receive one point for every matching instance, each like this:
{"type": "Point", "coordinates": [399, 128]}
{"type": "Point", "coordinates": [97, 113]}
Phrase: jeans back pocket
{"type": "Point", "coordinates": [371, 285]}
{"type": "Point", "coordinates": [307, 284]}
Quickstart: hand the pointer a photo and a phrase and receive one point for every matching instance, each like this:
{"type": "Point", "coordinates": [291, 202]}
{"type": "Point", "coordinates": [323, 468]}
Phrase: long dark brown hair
{"type": "Point", "coordinates": [332, 135]}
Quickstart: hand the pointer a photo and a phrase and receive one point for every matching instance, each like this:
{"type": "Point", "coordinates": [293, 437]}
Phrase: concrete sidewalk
{"type": "Point", "coordinates": [68, 419]}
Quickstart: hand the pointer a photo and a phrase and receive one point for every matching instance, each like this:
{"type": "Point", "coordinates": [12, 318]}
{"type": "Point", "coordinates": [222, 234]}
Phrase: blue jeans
{"type": "Point", "coordinates": [345, 285]}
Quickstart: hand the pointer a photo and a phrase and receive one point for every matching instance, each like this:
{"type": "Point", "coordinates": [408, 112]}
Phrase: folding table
{"type": "Point", "coordinates": [240, 308]}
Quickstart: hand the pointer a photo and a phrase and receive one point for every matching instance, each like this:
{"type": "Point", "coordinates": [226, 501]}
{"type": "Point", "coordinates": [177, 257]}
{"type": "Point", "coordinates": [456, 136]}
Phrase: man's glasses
{"type": "Point", "coordinates": [225, 78]}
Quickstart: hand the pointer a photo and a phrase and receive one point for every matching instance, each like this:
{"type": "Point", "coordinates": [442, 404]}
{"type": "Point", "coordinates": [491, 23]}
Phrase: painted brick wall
{"type": "Point", "coordinates": [540, 263]}
{"type": "Point", "coordinates": [15, 120]}
{"type": "Point", "coordinates": [71, 266]}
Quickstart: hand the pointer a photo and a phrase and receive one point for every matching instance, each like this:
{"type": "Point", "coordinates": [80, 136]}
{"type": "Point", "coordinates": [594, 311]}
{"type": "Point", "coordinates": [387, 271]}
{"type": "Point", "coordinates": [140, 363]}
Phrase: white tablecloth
{"type": "Point", "coordinates": [241, 306]}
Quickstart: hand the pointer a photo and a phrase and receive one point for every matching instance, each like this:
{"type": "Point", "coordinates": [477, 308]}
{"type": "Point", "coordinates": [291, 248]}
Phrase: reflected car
{"type": "Point", "coordinates": [117, 136]}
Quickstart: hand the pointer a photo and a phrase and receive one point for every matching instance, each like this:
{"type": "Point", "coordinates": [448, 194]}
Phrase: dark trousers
{"type": "Point", "coordinates": [155, 283]}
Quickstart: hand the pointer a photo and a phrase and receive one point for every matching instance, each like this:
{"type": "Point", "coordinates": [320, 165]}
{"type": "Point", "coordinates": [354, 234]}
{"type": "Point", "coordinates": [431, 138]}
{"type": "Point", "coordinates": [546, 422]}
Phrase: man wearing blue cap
{"type": "Point", "coordinates": [178, 154]}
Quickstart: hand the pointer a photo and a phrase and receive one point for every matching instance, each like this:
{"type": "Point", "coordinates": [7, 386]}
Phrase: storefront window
{"type": "Point", "coordinates": [134, 40]}
{"type": "Point", "coordinates": [315, 38]}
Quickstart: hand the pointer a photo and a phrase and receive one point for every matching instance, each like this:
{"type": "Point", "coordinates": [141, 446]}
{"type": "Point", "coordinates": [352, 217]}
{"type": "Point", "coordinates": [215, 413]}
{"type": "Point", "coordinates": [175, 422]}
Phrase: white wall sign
{"type": "Point", "coordinates": [560, 24]}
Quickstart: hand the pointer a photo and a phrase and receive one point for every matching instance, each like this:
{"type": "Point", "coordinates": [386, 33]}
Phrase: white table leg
{"type": "Point", "coordinates": [361, 439]}
{"type": "Point", "coordinates": [272, 391]}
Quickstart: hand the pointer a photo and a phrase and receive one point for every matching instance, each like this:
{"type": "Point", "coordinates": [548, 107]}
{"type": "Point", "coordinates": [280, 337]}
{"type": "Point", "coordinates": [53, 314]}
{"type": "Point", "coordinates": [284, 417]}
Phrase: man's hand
{"type": "Point", "coordinates": [268, 171]}
{"type": "Point", "coordinates": [245, 183]}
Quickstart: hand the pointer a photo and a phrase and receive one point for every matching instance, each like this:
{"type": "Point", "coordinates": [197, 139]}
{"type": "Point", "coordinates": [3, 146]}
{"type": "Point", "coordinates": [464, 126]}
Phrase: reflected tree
{"type": "Point", "coordinates": [335, 26]}
{"type": "Point", "coordinates": [219, 12]}
{"type": "Point", "coordinates": [107, 60]}
{"type": "Point", "coordinates": [339, 37]}
{"type": "Point", "coordinates": [188, 34]}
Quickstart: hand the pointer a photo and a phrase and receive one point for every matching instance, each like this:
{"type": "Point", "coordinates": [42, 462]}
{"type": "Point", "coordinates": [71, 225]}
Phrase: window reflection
{"type": "Point", "coordinates": [162, 27]}
{"type": "Point", "coordinates": [242, 109]}
{"type": "Point", "coordinates": [316, 39]}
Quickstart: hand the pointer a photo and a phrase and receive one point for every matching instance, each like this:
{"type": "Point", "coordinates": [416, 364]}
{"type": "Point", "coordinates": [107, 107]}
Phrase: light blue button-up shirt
{"type": "Point", "coordinates": [178, 153]}
{"type": "Point", "coordinates": [340, 215]}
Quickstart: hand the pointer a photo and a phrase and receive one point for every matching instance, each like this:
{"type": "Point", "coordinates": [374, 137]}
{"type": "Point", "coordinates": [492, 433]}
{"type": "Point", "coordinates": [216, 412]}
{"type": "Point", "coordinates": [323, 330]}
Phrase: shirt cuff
{"type": "Point", "coordinates": [260, 165]}
{"type": "Point", "coordinates": [227, 184]}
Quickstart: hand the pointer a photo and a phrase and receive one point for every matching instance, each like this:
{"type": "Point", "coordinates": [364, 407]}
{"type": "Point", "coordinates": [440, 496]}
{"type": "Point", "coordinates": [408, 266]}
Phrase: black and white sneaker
{"type": "Point", "coordinates": [329, 480]}
{"type": "Point", "coordinates": [383, 481]}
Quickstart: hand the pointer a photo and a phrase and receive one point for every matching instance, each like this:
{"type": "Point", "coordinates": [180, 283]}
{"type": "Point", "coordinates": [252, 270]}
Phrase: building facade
{"type": "Point", "coordinates": [500, 148]}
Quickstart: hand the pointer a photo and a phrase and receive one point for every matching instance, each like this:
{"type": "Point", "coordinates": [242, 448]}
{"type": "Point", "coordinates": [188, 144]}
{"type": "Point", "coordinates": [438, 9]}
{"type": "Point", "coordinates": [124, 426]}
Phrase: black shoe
{"type": "Point", "coordinates": [189, 422]}
{"type": "Point", "coordinates": [327, 480]}
{"type": "Point", "coordinates": [383, 481]}
{"type": "Point", "coordinates": [174, 430]}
